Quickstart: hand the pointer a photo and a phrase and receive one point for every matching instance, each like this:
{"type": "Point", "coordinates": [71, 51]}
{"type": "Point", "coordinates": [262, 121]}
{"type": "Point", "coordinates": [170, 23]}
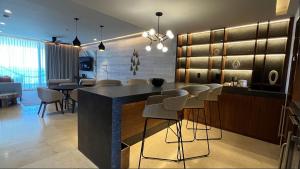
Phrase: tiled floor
{"type": "Point", "coordinates": [31, 142]}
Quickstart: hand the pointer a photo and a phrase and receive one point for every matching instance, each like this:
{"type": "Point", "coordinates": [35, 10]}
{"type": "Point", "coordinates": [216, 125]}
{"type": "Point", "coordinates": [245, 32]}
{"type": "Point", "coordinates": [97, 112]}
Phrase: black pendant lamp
{"type": "Point", "coordinates": [101, 45]}
{"type": "Point", "coordinates": [76, 41]}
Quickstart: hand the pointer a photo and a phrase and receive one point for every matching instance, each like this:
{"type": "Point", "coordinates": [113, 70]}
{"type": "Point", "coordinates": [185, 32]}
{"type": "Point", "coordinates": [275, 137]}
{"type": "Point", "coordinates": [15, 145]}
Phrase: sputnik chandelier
{"type": "Point", "coordinates": [157, 37]}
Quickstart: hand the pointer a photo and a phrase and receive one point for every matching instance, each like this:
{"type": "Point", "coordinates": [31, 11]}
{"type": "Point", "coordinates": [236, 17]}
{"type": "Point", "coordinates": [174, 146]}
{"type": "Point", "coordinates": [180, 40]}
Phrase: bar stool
{"type": "Point", "coordinates": [166, 108]}
{"type": "Point", "coordinates": [197, 95]}
{"type": "Point", "coordinates": [213, 96]}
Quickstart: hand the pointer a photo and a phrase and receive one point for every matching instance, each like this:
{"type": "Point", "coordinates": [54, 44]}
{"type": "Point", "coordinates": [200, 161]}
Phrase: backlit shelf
{"type": "Point", "coordinates": [240, 41]}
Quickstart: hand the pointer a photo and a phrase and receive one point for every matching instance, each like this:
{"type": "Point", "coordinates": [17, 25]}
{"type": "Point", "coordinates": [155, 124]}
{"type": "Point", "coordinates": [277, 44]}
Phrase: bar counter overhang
{"type": "Point", "coordinates": [100, 115]}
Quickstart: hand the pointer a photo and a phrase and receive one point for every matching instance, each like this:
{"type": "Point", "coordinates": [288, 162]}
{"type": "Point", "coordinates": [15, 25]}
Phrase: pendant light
{"type": "Point", "coordinates": [76, 41]}
{"type": "Point", "coordinates": [101, 45]}
{"type": "Point", "coordinates": [158, 37]}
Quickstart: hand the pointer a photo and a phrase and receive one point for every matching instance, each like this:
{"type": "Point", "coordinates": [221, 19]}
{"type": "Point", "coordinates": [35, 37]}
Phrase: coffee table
{"type": "Point", "coordinates": [8, 98]}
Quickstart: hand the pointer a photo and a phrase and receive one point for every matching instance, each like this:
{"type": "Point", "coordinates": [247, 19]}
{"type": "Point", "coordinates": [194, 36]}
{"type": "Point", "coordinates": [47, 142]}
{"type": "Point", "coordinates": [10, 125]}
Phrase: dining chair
{"type": "Point", "coordinates": [165, 108]}
{"type": "Point", "coordinates": [74, 98]}
{"type": "Point", "coordinates": [103, 83]}
{"type": "Point", "coordinates": [87, 82]}
{"type": "Point", "coordinates": [137, 82]}
{"type": "Point", "coordinates": [49, 96]}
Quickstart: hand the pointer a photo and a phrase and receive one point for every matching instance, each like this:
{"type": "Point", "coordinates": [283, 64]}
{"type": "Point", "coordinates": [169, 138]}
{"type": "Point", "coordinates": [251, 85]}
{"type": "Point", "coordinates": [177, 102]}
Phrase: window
{"type": "Point", "coordinates": [23, 60]}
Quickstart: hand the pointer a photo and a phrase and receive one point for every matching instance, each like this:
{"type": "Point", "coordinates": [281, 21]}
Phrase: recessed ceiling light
{"type": "Point", "coordinates": [0, 31]}
{"type": "Point", "coordinates": [95, 39]}
{"type": "Point", "coordinates": [7, 11]}
{"type": "Point", "coordinates": [2, 23]}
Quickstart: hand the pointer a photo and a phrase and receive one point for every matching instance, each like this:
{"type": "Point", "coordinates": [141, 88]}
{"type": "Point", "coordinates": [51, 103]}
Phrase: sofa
{"type": "Point", "coordinates": [7, 85]}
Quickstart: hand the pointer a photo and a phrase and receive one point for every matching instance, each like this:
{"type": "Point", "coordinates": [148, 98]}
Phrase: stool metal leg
{"type": "Point", "coordinates": [143, 146]}
{"type": "Point", "coordinates": [194, 122]}
{"type": "Point", "coordinates": [220, 125]}
{"type": "Point", "coordinates": [143, 142]}
{"type": "Point", "coordinates": [181, 142]}
{"type": "Point", "coordinates": [185, 141]}
{"type": "Point", "coordinates": [207, 140]}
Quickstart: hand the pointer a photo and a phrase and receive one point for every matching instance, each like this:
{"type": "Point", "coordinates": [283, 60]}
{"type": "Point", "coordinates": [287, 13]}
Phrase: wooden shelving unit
{"type": "Point", "coordinates": [247, 52]}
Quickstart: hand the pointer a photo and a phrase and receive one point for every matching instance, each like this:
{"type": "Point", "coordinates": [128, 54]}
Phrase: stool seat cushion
{"type": "Point", "coordinates": [214, 91]}
{"type": "Point", "coordinates": [194, 102]}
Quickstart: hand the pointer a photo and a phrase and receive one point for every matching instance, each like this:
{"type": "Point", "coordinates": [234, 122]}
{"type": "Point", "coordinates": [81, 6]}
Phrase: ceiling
{"type": "Point", "coordinates": [42, 19]}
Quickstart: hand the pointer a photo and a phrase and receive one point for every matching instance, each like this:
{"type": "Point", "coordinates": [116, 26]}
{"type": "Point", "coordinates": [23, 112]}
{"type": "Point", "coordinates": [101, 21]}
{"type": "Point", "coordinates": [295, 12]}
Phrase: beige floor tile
{"type": "Point", "coordinates": [31, 142]}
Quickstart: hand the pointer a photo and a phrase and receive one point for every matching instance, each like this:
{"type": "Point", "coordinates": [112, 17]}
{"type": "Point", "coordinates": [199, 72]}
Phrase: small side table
{"type": "Point", "coordinates": [7, 99]}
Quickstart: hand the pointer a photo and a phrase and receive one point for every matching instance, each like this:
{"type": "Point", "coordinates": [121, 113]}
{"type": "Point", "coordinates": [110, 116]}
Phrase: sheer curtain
{"type": "Point", "coordinates": [23, 60]}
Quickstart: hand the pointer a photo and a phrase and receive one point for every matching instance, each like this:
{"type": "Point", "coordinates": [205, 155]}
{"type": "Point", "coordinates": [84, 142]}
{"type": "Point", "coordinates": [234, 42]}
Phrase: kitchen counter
{"type": "Point", "coordinates": [245, 111]}
{"type": "Point", "coordinates": [252, 92]}
{"type": "Point", "coordinates": [99, 119]}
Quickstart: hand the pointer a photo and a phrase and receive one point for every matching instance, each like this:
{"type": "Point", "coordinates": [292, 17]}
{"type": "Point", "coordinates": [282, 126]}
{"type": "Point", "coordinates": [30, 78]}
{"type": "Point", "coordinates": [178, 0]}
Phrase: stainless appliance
{"type": "Point", "coordinates": [290, 149]}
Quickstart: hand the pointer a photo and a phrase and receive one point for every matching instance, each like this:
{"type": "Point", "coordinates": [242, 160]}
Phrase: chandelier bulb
{"type": "Point", "coordinates": [148, 48]}
{"type": "Point", "coordinates": [145, 34]}
{"type": "Point", "coordinates": [152, 32]}
{"type": "Point", "coordinates": [170, 34]}
{"type": "Point", "coordinates": [159, 46]}
{"type": "Point", "coordinates": [164, 49]}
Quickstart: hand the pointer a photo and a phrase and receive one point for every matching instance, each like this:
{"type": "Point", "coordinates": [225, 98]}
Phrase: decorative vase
{"type": "Point", "coordinates": [157, 82]}
{"type": "Point", "coordinates": [236, 64]}
{"type": "Point", "coordinates": [273, 77]}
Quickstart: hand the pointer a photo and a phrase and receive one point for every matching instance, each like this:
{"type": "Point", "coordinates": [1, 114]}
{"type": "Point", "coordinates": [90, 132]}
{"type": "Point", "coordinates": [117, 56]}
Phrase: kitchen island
{"type": "Point", "coordinates": [99, 119]}
{"type": "Point", "coordinates": [102, 126]}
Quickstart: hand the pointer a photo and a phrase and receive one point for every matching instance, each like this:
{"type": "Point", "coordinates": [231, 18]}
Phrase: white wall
{"type": "Point", "coordinates": [118, 54]}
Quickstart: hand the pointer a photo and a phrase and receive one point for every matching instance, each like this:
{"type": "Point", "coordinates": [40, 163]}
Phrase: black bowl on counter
{"type": "Point", "coordinates": [157, 82]}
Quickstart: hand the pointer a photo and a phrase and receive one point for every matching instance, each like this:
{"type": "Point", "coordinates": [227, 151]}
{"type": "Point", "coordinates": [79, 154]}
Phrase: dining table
{"type": "Point", "coordinates": [65, 88]}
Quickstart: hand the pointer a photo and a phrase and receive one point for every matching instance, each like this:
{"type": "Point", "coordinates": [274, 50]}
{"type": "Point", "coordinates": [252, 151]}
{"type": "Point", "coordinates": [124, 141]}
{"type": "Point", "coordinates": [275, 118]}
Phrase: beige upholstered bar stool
{"type": "Point", "coordinates": [196, 101]}
{"type": "Point", "coordinates": [166, 108]}
{"type": "Point", "coordinates": [103, 83]}
{"type": "Point", "coordinates": [213, 96]}
{"type": "Point", "coordinates": [137, 82]}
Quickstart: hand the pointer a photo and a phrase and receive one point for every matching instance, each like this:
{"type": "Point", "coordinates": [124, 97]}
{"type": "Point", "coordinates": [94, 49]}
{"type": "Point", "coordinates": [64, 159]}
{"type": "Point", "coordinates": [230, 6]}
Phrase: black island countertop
{"type": "Point", "coordinates": [124, 91]}
{"type": "Point", "coordinates": [129, 91]}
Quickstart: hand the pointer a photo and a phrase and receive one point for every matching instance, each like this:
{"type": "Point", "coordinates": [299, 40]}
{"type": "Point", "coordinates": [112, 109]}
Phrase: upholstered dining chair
{"type": "Point", "coordinates": [49, 96]}
{"type": "Point", "coordinates": [166, 108]}
{"type": "Point", "coordinates": [74, 98]}
{"type": "Point", "coordinates": [103, 83]}
{"type": "Point", "coordinates": [137, 81]}
{"type": "Point", "coordinates": [87, 82]}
